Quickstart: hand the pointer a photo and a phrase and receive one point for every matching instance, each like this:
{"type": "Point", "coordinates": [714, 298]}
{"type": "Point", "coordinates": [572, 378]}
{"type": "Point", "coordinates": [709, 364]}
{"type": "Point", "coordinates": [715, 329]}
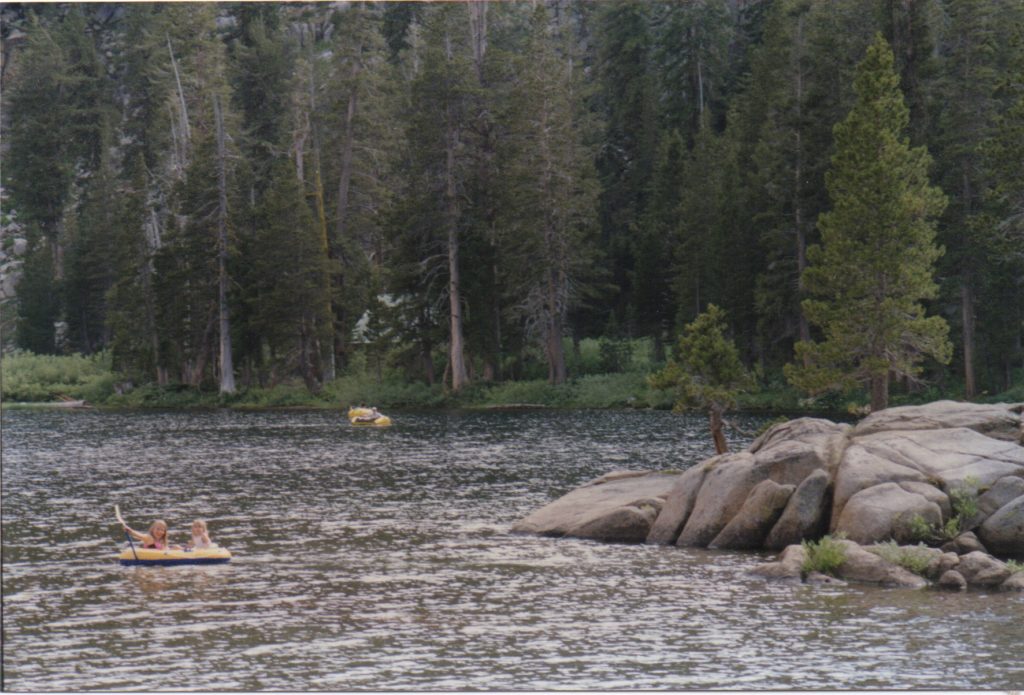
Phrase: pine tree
{"type": "Point", "coordinates": [38, 302]}
{"type": "Point", "coordinates": [706, 372]}
{"type": "Point", "coordinates": [1002, 222]}
{"type": "Point", "coordinates": [130, 311]}
{"type": "Point", "coordinates": [627, 102]}
{"type": "Point", "coordinates": [779, 124]}
{"type": "Point", "coordinates": [437, 127]}
{"type": "Point", "coordinates": [285, 275]}
{"type": "Point", "coordinates": [359, 140]}
{"type": "Point", "coordinates": [783, 173]}
{"type": "Point", "coordinates": [969, 112]}
{"type": "Point", "coordinates": [92, 246]}
{"type": "Point", "coordinates": [262, 65]}
{"type": "Point", "coordinates": [908, 26]}
{"type": "Point", "coordinates": [190, 282]}
{"type": "Point", "coordinates": [875, 262]}
{"type": "Point", "coordinates": [549, 216]}
{"type": "Point", "coordinates": [166, 55]}
{"type": "Point", "coordinates": [698, 273]}
{"type": "Point", "coordinates": [657, 234]}
{"type": "Point", "coordinates": [692, 44]}
{"type": "Point", "coordinates": [59, 107]}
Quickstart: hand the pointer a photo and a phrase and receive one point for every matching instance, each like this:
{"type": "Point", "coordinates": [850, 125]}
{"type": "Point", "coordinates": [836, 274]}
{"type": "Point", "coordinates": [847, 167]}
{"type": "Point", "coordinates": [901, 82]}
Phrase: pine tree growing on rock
{"type": "Point", "coordinates": [707, 372]}
{"type": "Point", "coordinates": [874, 266]}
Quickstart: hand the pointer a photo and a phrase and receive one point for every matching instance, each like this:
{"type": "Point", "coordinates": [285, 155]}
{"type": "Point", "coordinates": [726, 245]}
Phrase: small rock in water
{"type": "Point", "coordinates": [942, 564]}
{"type": "Point", "coordinates": [953, 580]}
{"type": "Point", "coordinates": [819, 578]}
{"type": "Point", "coordinates": [788, 568]}
{"type": "Point", "coordinates": [1014, 583]}
{"type": "Point", "coordinates": [980, 569]}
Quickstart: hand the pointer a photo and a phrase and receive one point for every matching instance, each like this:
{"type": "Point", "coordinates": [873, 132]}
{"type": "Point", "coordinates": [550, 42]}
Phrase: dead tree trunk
{"type": "Point", "coordinates": [880, 391]}
{"type": "Point", "coordinates": [967, 313]}
{"type": "Point", "coordinates": [717, 424]}
{"type": "Point", "coordinates": [347, 145]}
{"type": "Point", "coordinates": [185, 131]}
{"type": "Point", "coordinates": [325, 351]}
{"type": "Point", "coordinates": [227, 369]}
{"type": "Point", "coordinates": [804, 328]}
{"type": "Point", "coordinates": [457, 361]}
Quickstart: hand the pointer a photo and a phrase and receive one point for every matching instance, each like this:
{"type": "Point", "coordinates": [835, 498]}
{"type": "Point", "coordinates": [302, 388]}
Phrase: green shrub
{"type": "Point", "coordinates": [934, 534]}
{"type": "Point", "coordinates": [534, 392]}
{"type": "Point", "coordinates": [609, 355]}
{"type": "Point", "coordinates": [823, 556]}
{"type": "Point", "coordinates": [583, 359]}
{"type": "Point", "coordinates": [31, 378]}
{"type": "Point", "coordinates": [964, 503]}
{"type": "Point", "coordinates": [609, 390]}
{"type": "Point", "coordinates": [627, 389]}
{"type": "Point", "coordinates": [915, 558]}
{"type": "Point", "coordinates": [1015, 394]}
{"type": "Point", "coordinates": [391, 392]}
{"type": "Point", "coordinates": [170, 396]}
{"type": "Point", "coordinates": [771, 399]}
{"type": "Point", "coordinates": [920, 530]}
{"type": "Point", "coordinates": [616, 355]}
{"type": "Point", "coordinates": [288, 395]}
{"type": "Point", "coordinates": [964, 500]}
{"type": "Point", "coordinates": [1015, 566]}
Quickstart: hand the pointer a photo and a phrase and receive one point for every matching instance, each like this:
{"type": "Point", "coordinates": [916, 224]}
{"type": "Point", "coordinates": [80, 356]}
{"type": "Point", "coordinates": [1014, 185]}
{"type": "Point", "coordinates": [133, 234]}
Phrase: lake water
{"type": "Point", "coordinates": [378, 559]}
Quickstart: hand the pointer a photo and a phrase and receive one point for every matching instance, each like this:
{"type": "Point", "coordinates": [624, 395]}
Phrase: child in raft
{"type": "Point", "coordinates": [200, 536]}
{"type": "Point", "coordinates": [373, 415]}
{"type": "Point", "coordinates": [155, 538]}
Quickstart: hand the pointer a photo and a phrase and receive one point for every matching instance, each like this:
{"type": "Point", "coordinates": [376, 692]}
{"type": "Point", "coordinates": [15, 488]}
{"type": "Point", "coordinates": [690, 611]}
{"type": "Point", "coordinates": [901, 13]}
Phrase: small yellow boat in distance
{"type": "Point", "coordinates": [365, 417]}
{"type": "Point", "coordinates": [214, 555]}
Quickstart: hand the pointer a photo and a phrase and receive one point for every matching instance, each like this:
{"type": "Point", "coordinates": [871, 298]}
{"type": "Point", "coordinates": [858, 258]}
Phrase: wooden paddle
{"type": "Point", "coordinates": [117, 513]}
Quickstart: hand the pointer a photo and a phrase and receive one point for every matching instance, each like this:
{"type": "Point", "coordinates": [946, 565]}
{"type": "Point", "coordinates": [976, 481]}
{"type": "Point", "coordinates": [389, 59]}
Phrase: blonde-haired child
{"type": "Point", "coordinates": [155, 538]}
{"type": "Point", "coordinates": [200, 535]}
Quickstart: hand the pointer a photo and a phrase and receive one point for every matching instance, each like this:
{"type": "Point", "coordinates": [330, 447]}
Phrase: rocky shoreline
{"type": "Point", "coordinates": [945, 474]}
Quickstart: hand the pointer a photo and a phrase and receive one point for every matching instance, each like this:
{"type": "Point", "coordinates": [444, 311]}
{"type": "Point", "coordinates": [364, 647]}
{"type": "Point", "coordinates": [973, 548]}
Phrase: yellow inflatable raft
{"type": "Point", "coordinates": [200, 556]}
{"type": "Point", "coordinates": [364, 417]}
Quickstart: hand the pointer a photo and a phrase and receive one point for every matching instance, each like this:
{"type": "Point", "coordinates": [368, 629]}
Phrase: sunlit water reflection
{"type": "Point", "coordinates": [381, 559]}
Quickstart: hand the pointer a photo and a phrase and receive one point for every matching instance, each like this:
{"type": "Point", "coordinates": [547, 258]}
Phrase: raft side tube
{"type": "Point", "coordinates": [167, 558]}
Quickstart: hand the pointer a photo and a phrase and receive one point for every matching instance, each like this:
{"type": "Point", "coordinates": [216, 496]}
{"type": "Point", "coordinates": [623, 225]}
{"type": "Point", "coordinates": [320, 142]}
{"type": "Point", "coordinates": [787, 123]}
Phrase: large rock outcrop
{"type": "Point", "coordinates": [895, 473]}
{"type": "Point", "coordinates": [619, 507]}
{"type": "Point", "coordinates": [787, 454]}
{"type": "Point", "coordinates": [999, 421]}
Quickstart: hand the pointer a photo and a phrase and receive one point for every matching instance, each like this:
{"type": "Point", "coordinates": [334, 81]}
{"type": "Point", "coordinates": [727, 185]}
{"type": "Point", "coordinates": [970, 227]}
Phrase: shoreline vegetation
{"type": "Point", "coordinates": [30, 380]}
{"type": "Point", "coordinates": [424, 205]}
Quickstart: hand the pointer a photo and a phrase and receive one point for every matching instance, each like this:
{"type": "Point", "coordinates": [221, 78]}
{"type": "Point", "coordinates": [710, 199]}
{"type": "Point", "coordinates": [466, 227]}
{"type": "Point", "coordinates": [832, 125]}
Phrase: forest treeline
{"type": "Point", "coordinates": [235, 195]}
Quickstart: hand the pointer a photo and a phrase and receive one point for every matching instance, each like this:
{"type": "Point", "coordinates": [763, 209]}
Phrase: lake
{"type": "Point", "coordinates": [378, 559]}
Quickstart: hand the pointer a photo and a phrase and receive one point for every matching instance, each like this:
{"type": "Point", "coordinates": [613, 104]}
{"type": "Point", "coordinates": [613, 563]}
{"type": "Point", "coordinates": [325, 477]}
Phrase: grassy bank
{"type": "Point", "coordinates": [25, 377]}
{"type": "Point", "coordinates": [42, 378]}
{"type": "Point", "coordinates": [39, 378]}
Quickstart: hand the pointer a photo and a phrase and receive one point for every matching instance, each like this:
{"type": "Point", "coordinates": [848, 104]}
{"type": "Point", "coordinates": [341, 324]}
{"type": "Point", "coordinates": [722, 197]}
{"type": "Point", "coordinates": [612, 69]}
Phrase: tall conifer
{"type": "Point", "coordinates": [875, 263]}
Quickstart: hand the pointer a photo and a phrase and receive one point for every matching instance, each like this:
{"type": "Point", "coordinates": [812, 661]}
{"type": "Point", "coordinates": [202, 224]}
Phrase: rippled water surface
{"type": "Point", "coordinates": [381, 559]}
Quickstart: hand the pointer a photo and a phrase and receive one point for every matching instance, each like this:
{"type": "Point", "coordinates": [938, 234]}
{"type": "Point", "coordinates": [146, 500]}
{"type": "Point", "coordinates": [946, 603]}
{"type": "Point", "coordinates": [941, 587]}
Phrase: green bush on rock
{"type": "Point", "coordinates": [964, 502]}
{"type": "Point", "coordinates": [824, 556]}
{"type": "Point", "coordinates": [915, 558]}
